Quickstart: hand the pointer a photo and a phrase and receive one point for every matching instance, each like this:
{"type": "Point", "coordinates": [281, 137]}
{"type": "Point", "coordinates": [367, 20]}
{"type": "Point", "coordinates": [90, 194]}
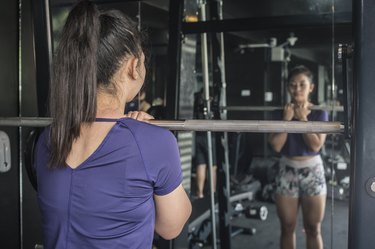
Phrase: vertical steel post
{"type": "Point", "coordinates": [174, 58]}
{"type": "Point", "coordinates": [219, 87]}
{"type": "Point", "coordinates": [20, 177]}
{"type": "Point", "coordinates": [43, 51]}
{"type": "Point", "coordinates": [362, 177]}
{"type": "Point", "coordinates": [174, 67]}
{"type": "Point", "coordinates": [205, 73]}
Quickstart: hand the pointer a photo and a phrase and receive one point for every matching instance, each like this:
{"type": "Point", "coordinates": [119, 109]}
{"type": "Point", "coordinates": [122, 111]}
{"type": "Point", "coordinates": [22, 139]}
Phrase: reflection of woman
{"type": "Point", "coordinates": [301, 180]}
{"type": "Point", "coordinates": [105, 180]}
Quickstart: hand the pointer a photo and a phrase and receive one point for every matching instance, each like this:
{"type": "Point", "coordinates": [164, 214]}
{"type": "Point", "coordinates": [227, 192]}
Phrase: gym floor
{"type": "Point", "coordinates": [268, 232]}
{"type": "Point", "coordinates": [334, 228]}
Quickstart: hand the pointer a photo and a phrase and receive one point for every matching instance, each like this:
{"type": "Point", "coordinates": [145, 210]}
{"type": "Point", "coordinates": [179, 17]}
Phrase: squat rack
{"type": "Point", "coordinates": [362, 217]}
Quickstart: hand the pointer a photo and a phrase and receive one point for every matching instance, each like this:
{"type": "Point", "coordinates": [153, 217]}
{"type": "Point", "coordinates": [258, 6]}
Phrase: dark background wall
{"type": "Point", "coordinates": [9, 181]}
{"type": "Point", "coordinates": [20, 225]}
{"type": "Point", "coordinates": [31, 226]}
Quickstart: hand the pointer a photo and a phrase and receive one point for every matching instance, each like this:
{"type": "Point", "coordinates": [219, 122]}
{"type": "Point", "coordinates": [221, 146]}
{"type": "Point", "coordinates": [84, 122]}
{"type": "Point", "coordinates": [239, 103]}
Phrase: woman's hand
{"type": "Point", "coordinates": [288, 112]}
{"type": "Point", "coordinates": [301, 111]}
{"type": "Point", "coordinates": [139, 115]}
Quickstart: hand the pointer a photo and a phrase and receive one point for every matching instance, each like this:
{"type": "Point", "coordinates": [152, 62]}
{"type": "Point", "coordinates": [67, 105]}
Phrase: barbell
{"type": "Point", "coordinates": [255, 126]}
{"type": "Point", "coordinates": [278, 108]}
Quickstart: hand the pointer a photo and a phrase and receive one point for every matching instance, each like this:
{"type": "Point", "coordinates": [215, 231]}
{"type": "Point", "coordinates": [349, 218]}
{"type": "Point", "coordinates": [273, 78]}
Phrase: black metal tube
{"type": "Point", "coordinates": [208, 115]}
{"type": "Point", "coordinates": [265, 23]}
{"type": "Point", "coordinates": [218, 72]}
{"type": "Point", "coordinates": [362, 177]}
{"type": "Point", "coordinates": [174, 58]}
{"type": "Point", "coordinates": [43, 51]}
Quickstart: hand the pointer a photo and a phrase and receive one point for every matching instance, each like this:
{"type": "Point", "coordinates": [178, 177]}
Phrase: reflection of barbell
{"type": "Point", "coordinates": [259, 126]}
{"type": "Point", "coordinates": [276, 108]}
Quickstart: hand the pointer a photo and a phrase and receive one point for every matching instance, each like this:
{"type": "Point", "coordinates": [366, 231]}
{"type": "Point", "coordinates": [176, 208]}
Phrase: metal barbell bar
{"type": "Point", "coordinates": [277, 108]}
{"type": "Point", "coordinates": [255, 126]}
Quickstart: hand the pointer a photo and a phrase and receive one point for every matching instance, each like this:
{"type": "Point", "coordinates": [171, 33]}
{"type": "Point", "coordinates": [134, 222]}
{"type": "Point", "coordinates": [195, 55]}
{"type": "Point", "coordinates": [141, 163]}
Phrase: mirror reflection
{"type": "Point", "coordinates": [288, 73]}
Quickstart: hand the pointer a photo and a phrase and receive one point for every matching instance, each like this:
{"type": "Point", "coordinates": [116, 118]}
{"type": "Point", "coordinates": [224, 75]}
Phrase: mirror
{"type": "Point", "coordinates": [278, 36]}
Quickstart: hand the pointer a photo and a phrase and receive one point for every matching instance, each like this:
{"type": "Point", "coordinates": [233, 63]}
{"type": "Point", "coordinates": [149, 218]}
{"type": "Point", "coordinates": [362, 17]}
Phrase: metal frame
{"type": "Point", "coordinates": [361, 220]}
{"type": "Point", "coordinates": [43, 51]}
{"type": "Point", "coordinates": [98, 2]}
{"type": "Point", "coordinates": [174, 58]}
{"type": "Point", "coordinates": [223, 174]}
{"type": "Point", "coordinates": [208, 115]}
{"type": "Point", "coordinates": [254, 24]}
{"type": "Point", "coordinates": [362, 181]}
{"type": "Point", "coordinates": [266, 23]}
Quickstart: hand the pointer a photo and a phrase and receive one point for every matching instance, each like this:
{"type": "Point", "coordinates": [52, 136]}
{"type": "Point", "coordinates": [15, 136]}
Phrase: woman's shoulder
{"type": "Point", "coordinates": [318, 115]}
{"type": "Point", "coordinates": [151, 140]}
{"type": "Point", "coordinates": [147, 131]}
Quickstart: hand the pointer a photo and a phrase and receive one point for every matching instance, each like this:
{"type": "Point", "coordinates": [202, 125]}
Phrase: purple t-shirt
{"type": "Point", "coordinates": [107, 201]}
{"type": "Point", "coordinates": [295, 145]}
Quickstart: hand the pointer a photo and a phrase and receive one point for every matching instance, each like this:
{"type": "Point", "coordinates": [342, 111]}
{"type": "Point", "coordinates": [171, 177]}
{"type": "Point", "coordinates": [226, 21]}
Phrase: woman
{"type": "Point", "coordinates": [301, 180]}
{"type": "Point", "coordinates": [105, 180]}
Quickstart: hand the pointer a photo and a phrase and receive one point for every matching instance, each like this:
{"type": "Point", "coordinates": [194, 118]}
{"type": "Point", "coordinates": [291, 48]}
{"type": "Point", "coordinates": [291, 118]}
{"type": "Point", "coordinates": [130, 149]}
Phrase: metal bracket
{"type": "Point", "coordinates": [370, 186]}
{"type": "Point", "coordinates": [5, 155]}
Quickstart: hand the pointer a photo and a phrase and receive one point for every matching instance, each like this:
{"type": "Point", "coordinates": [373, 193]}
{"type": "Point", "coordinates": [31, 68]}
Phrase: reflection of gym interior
{"type": "Point", "coordinates": [213, 60]}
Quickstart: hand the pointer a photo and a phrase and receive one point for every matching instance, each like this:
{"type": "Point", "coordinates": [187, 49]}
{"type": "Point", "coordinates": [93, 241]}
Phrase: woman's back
{"type": "Point", "coordinates": [107, 200]}
{"type": "Point", "coordinates": [88, 142]}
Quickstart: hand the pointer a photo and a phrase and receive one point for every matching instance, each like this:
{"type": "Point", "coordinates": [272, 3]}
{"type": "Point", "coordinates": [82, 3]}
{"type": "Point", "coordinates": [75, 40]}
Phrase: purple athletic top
{"type": "Point", "coordinates": [294, 145]}
{"type": "Point", "coordinates": [107, 201]}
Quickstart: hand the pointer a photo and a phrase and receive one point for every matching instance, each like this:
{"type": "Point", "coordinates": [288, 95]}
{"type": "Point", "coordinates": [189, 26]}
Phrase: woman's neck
{"type": "Point", "coordinates": [109, 106]}
{"type": "Point", "coordinates": [299, 103]}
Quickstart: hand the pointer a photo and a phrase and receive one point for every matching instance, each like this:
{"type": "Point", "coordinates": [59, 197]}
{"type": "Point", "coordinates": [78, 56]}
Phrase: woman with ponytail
{"type": "Point", "coordinates": [105, 180]}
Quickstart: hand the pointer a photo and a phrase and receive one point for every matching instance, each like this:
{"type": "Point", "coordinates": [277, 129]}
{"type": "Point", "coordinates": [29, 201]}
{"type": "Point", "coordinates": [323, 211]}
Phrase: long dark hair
{"type": "Point", "coordinates": [93, 45]}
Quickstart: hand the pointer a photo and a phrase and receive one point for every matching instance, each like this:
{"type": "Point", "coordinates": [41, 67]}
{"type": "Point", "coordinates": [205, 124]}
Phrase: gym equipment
{"type": "Point", "coordinates": [256, 212]}
{"type": "Point", "coordinates": [5, 155]}
{"type": "Point", "coordinates": [277, 108]}
{"type": "Point", "coordinates": [200, 228]}
{"type": "Point", "coordinates": [260, 126]}
{"type": "Point", "coordinates": [28, 153]}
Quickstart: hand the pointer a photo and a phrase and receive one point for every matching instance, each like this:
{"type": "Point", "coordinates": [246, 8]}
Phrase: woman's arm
{"type": "Point", "coordinates": [314, 141]}
{"type": "Point", "coordinates": [172, 212]}
{"type": "Point", "coordinates": [277, 141]}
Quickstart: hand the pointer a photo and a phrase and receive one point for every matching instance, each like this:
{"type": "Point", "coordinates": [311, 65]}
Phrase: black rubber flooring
{"type": "Point", "coordinates": [334, 227]}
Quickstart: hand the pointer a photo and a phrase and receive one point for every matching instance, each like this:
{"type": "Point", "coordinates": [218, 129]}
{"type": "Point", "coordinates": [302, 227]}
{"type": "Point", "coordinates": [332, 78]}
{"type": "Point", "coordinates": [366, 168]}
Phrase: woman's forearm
{"type": "Point", "coordinates": [277, 140]}
{"type": "Point", "coordinates": [314, 141]}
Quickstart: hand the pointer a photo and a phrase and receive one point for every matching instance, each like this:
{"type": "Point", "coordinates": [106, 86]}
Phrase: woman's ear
{"type": "Point", "coordinates": [133, 68]}
{"type": "Point", "coordinates": [312, 86]}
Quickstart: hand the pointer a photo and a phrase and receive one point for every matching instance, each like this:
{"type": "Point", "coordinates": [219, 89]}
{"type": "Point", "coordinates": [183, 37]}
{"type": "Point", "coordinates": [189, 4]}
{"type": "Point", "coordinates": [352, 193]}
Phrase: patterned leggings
{"type": "Point", "coordinates": [304, 181]}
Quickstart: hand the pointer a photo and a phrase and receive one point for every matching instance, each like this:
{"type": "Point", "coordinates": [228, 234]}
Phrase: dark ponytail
{"type": "Point", "coordinates": [92, 47]}
{"type": "Point", "coordinates": [73, 89]}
